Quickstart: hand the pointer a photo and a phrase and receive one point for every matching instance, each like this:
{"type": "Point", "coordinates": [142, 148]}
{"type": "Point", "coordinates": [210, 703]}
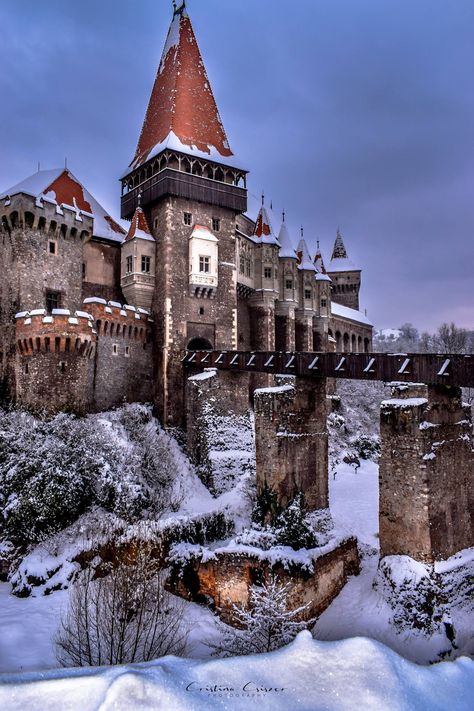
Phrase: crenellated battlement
{"type": "Point", "coordinates": [117, 320]}
{"type": "Point", "coordinates": [24, 212]}
{"type": "Point", "coordinates": [59, 332]}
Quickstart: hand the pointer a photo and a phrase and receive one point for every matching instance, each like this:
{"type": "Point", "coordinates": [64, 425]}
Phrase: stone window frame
{"type": "Point", "coordinates": [129, 265]}
{"type": "Point", "coordinates": [324, 303]}
{"type": "Point", "coordinates": [267, 272]}
{"type": "Point", "coordinates": [288, 284]}
{"type": "Point", "coordinates": [307, 294]}
{"type": "Point", "coordinates": [127, 351]}
{"type": "Point", "coordinates": [115, 349]}
{"type": "Point", "coordinates": [146, 264]}
{"type": "Point", "coordinates": [188, 218]}
{"type": "Point", "coordinates": [53, 299]}
{"type": "Point", "coordinates": [54, 244]}
{"type": "Point", "coordinates": [216, 224]}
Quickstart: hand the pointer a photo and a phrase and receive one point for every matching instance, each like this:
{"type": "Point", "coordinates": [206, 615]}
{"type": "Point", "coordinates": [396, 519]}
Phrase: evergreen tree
{"type": "Point", "coordinates": [293, 528]}
{"type": "Point", "coordinates": [265, 625]}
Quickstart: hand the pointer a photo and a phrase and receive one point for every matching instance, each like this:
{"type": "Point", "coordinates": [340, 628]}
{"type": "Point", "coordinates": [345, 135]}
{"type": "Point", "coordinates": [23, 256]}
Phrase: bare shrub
{"type": "Point", "coordinates": [121, 618]}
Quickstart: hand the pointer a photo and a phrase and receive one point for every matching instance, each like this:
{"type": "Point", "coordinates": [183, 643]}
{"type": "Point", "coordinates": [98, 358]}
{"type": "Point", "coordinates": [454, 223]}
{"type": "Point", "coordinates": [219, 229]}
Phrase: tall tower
{"type": "Point", "coordinates": [190, 188]}
{"type": "Point", "coordinates": [345, 276]}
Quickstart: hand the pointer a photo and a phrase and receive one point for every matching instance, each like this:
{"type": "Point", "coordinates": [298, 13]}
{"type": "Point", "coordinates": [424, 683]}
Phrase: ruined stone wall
{"type": "Point", "coordinates": [226, 578]}
{"type": "Point", "coordinates": [179, 315]}
{"type": "Point", "coordinates": [426, 474]}
{"type": "Point", "coordinates": [292, 441]}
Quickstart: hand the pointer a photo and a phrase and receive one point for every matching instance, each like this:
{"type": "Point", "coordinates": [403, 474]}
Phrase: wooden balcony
{"type": "Point", "coordinates": [185, 185]}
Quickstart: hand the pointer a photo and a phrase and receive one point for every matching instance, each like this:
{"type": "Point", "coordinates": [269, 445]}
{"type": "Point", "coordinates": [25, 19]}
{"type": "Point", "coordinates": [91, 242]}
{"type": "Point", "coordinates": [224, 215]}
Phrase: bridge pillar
{"type": "Point", "coordinates": [304, 332]}
{"type": "Point", "coordinates": [291, 441]}
{"type": "Point", "coordinates": [426, 473]}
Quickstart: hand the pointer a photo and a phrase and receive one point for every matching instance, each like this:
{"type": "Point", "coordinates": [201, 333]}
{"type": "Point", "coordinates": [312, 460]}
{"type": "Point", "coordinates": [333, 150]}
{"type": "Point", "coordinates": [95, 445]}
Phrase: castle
{"type": "Point", "coordinates": [92, 314]}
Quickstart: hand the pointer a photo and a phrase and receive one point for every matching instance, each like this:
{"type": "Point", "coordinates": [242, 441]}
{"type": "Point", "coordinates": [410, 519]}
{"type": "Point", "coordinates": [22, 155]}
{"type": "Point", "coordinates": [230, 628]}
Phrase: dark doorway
{"type": "Point", "coordinates": [199, 344]}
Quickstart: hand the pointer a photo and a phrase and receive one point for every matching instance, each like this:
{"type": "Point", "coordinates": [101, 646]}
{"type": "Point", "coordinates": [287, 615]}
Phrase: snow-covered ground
{"type": "Point", "coordinates": [307, 675]}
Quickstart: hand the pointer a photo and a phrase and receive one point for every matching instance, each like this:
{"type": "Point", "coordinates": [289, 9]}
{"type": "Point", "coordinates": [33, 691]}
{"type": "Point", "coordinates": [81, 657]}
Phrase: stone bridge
{"type": "Point", "coordinates": [426, 491]}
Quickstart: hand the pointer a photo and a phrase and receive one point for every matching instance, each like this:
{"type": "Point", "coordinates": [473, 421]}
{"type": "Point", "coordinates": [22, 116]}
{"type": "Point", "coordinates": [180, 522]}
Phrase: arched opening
{"type": "Point", "coordinates": [346, 343]}
{"type": "Point", "coordinates": [185, 165]}
{"type": "Point", "coordinates": [14, 219]}
{"type": "Point", "coordinates": [366, 345]}
{"type": "Point", "coordinates": [199, 344]}
{"type": "Point", "coordinates": [338, 341]}
{"type": "Point", "coordinates": [29, 219]}
{"type": "Point", "coordinates": [353, 343]}
{"type": "Point", "coordinates": [219, 175]}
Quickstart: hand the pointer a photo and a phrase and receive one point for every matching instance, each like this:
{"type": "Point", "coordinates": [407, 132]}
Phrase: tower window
{"type": "Point", "coordinates": [127, 351]}
{"type": "Point", "coordinates": [307, 293]}
{"type": "Point", "coordinates": [53, 300]}
{"type": "Point", "coordinates": [201, 310]}
{"type": "Point", "coordinates": [242, 264]}
{"type": "Point", "coordinates": [187, 218]}
{"type": "Point", "coordinates": [115, 349]}
{"type": "Point", "coordinates": [216, 224]}
{"type": "Point", "coordinates": [205, 264]}
{"type": "Point", "coordinates": [83, 270]}
{"type": "Point", "coordinates": [129, 265]}
{"type": "Point", "coordinates": [52, 247]}
{"type": "Point", "coordinates": [324, 303]}
{"type": "Point", "coordinates": [146, 264]}
{"type": "Point", "coordinates": [267, 272]}
{"type": "Point", "coordinates": [288, 284]}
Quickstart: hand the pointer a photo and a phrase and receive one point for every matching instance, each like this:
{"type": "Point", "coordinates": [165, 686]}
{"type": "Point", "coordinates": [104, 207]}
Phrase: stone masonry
{"type": "Point", "coordinates": [292, 441]}
{"type": "Point", "coordinates": [426, 473]}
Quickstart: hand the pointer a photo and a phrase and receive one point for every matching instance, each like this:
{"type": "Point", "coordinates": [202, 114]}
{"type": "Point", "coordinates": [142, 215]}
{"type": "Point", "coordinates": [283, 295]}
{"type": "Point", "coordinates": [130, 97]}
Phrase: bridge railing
{"type": "Point", "coordinates": [428, 368]}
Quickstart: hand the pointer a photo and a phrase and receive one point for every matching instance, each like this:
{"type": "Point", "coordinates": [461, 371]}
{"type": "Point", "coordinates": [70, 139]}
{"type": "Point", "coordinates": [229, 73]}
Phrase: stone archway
{"type": "Point", "coordinates": [199, 344]}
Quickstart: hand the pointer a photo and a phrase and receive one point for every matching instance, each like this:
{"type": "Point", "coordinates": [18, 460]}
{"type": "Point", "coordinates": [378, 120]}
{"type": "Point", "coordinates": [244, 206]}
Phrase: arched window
{"type": "Point", "coordinates": [29, 219]}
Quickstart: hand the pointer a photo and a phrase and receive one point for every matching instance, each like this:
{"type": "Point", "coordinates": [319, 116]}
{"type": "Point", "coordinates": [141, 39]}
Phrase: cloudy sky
{"type": "Point", "coordinates": [357, 113]}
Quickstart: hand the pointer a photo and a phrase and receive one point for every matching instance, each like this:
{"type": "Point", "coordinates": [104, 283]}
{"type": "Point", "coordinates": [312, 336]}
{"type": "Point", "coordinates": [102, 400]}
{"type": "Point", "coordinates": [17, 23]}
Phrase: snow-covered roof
{"type": "Point", "coordinates": [352, 314]}
{"type": "Point", "coordinates": [340, 261]}
{"type": "Point", "coordinates": [287, 248]}
{"type": "Point", "coordinates": [320, 276]}
{"type": "Point", "coordinates": [265, 227]}
{"type": "Point", "coordinates": [60, 187]}
{"type": "Point", "coordinates": [342, 265]}
{"type": "Point", "coordinates": [304, 259]}
{"type": "Point", "coordinates": [182, 112]}
{"type": "Point", "coordinates": [203, 232]}
{"type": "Point", "coordinates": [139, 228]}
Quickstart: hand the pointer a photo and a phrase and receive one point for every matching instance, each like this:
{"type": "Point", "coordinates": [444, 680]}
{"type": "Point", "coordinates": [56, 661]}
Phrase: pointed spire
{"type": "Point", "coordinates": [182, 108]}
{"type": "Point", "coordinates": [287, 249]}
{"type": "Point", "coordinates": [139, 228]}
{"type": "Point", "coordinates": [263, 227]}
{"type": "Point", "coordinates": [302, 252]}
{"type": "Point", "coordinates": [318, 260]}
{"type": "Point", "coordinates": [339, 250]}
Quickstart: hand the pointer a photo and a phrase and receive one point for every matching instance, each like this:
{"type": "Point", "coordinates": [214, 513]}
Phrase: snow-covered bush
{"type": "Point", "coordinates": [54, 468]}
{"type": "Point", "coordinates": [292, 526]}
{"type": "Point", "coordinates": [265, 625]}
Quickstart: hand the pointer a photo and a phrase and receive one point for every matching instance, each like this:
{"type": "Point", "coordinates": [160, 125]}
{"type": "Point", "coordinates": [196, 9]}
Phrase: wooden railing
{"type": "Point", "coordinates": [428, 368]}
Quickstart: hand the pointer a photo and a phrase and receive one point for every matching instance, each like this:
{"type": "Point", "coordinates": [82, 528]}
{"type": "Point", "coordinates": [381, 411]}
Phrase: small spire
{"type": "Point", "coordinates": [139, 198]}
{"type": "Point", "coordinates": [263, 198]}
{"type": "Point", "coordinates": [317, 244]}
{"type": "Point", "coordinates": [65, 162]}
{"type": "Point", "coordinates": [339, 250]}
{"type": "Point", "coordinates": [271, 204]}
{"type": "Point", "coordinates": [283, 215]}
{"type": "Point", "coordinates": [302, 232]}
{"type": "Point", "coordinates": [39, 166]}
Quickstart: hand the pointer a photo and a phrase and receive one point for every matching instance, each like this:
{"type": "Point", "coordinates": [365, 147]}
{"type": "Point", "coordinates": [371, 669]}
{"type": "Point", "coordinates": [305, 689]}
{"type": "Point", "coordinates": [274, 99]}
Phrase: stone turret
{"type": "Point", "coordinates": [306, 298]}
{"type": "Point", "coordinates": [288, 298]}
{"type": "Point", "coordinates": [138, 262]}
{"type": "Point", "coordinates": [345, 276]}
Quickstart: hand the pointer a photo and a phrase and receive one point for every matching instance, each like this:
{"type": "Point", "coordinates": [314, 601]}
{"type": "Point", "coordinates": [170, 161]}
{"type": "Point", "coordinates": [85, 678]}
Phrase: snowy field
{"type": "Point", "coordinates": [357, 673]}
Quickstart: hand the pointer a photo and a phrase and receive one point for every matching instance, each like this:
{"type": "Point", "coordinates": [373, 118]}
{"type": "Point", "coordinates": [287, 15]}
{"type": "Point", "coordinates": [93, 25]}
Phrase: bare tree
{"type": "Point", "coordinates": [449, 338]}
{"type": "Point", "coordinates": [121, 618]}
{"type": "Point", "coordinates": [265, 625]}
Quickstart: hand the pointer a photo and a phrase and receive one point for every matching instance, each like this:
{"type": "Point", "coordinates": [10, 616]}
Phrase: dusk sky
{"type": "Point", "coordinates": [357, 113]}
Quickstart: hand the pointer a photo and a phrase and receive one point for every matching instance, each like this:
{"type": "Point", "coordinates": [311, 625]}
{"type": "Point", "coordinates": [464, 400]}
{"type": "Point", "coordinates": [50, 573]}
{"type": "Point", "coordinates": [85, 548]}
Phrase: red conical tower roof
{"type": "Point", "coordinates": [182, 105]}
{"type": "Point", "coordinates": [139, 227]}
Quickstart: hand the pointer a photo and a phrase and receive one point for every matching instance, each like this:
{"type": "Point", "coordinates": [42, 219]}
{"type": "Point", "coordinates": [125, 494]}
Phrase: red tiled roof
{"type": "Point", "coordinates": [139, 226]}
{"type": "Point", "coordinates": [182, 101]}
{"type": "Point", "coordinates": [68, 191]}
